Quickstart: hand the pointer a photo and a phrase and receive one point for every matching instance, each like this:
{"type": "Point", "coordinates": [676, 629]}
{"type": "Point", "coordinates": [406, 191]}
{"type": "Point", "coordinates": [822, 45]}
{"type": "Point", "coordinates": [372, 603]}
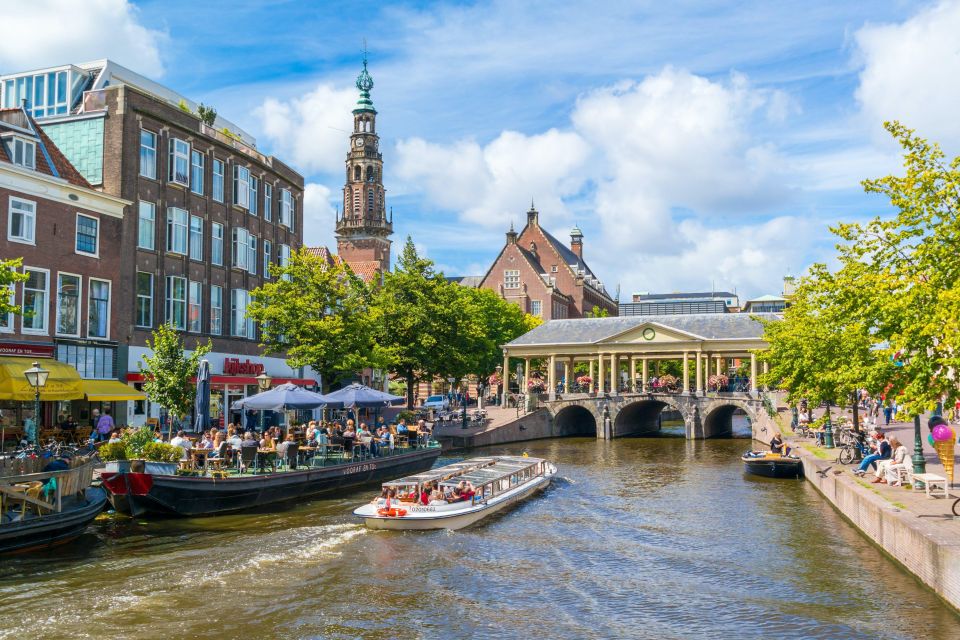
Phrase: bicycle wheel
{"type": "Point", "coordinates": [846, 455]}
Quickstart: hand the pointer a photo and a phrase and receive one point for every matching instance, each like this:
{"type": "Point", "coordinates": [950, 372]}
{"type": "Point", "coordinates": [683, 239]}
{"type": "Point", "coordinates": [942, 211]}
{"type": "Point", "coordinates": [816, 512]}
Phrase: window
{"type": "Point", "coordinates": [92, 363]}
{"type": "Point", "coordinates": [284, 258]}
{"type": "Point", "coordinates": [239, 323]}
{"type": "Point", "coordinates": [98, 309]}
{"type": "Point", "coordinates": [218, 180]}
{"type": "Point", "coordinates": [195, 307]}
{"type": "Point", "coordinates": [148, 154]}
{"type": "Point", "coordinates": [35, 306]}
{"type": "Point", "coordinates": [286, 208]}
{"type": "Point", "coordinates": [146, 225]}
{"type": "Point", "coordinates": [511, 279]}
{"type": "Point", "coordinates": [22, 220]}
{"type": "Point", "coordinates": [68, 304]}
{"type": "Point", "coordinates": [216, 309]}
{"type": "Point", "coordinates": [177, 302]}
{"type": "Point", "coordinates": [241, 244]}
{"type": "Point", "coordinates": [196, 238]}
{"type": "Point", "coordinates": [216, 243]}
{"type": "Point", "coordinates": [267, 258]}
{"type": "Point", "coordinates": [144, 299]}
{"type": "Point", "coordinates": [267, 201]}
{"type": "Point", "coordinates": [252, 255]}
{"type": "Point", "coordinates": [179, 162]}
{"type": "Point", "coordinates": [553, 269]}
{"type": "Point", "coordinates": [241, 186]}
{"type": "Point", "coordinates": [196, 172]}
{"type": "Point", "coordinates": [45, 94]}
{"type": "Point", "coordinates": [21, 152]}
{"type": "Point", "coordinates": [254, 183]}
{"type": "Point", "coordinates": [88, 234]}
{"type": "Point", "coordinates": [370, 201]}
{"type": "Point", "coordinates": [177, 230]}
{"type": "Point", "coordinates": [536, 307]}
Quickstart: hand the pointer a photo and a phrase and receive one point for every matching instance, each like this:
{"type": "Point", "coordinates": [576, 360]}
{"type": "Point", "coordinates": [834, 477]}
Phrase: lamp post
{"type": "Point", "coordinates": [463, 422]}
{"type": "Point", "coordinates": [37, 377]}
{"type": "Point", "coordinates": [919, 463]}
{"type": "Point", "coordinates": [263, 382]}
{"type": "Point", "coordinates": [500, 378]}
{"type": "Point", "coordinates": [828, 431]}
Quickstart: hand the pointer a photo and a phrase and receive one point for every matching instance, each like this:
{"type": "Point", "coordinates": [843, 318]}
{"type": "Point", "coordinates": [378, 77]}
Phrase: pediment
{"type": "Point", "coordinates": [651, 333]}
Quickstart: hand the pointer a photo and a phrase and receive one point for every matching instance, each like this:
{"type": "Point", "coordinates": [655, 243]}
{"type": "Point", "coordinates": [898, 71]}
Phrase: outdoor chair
{"type": "Point", "coordinates": [290, 457]}
{"type": "Point", "coordinates": [248, 458]}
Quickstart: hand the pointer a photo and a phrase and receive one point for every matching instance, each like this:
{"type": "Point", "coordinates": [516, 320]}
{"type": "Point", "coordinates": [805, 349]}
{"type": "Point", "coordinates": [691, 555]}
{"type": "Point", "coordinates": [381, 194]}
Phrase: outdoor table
{"type": "Point", "coordinates": [200, 456]}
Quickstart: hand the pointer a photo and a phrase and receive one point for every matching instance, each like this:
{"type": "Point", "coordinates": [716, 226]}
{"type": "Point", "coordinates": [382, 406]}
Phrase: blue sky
{"type": "Point", "coordinates": [697, 145]}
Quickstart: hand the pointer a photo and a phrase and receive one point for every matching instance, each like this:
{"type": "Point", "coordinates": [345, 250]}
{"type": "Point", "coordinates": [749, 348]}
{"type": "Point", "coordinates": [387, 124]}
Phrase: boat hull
{"type": "Point", "coordinates": [455, 520]}
{"type": "Point", "coordinates": [140, 494]}
{"type": "Point", "coordinates": [36, 534]}
{"type": "Point", "coordinates": [773, 468]}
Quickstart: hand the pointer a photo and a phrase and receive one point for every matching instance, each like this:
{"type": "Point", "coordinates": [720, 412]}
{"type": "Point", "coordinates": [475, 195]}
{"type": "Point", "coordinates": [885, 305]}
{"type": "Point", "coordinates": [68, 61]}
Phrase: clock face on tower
{"type": "Point", "coordinates": [359, 143]}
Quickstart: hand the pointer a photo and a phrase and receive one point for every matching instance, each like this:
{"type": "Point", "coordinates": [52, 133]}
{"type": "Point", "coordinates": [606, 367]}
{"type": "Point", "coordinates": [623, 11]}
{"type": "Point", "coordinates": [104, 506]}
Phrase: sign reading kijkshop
{"type": "Point", "coordinates": [233, 367]}
{"type": "Point", "coordinates": [26, 350]}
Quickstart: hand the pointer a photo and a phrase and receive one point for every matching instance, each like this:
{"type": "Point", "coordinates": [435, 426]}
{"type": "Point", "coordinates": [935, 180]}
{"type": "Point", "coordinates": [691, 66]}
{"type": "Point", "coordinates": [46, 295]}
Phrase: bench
{"type": "Point", "coordinates": [930, 480]}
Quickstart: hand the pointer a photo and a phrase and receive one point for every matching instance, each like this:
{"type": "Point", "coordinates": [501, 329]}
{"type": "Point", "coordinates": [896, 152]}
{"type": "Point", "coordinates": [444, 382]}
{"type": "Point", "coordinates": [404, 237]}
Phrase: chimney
{"type": "Point", "coordinates": [576, 241]}
{"type": "Point", "coordinates": [511, 235]}
{"type": "Point", "coordinates": [532, 216]}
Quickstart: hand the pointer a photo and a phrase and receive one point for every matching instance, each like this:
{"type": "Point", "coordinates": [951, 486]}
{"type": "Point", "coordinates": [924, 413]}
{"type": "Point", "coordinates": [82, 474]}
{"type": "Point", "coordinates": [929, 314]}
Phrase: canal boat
{"type": "Point", "coordinates": [40, 510]}
{"type": "Point", "coordinates": [498, 482]}
{"type": "Point", "coordinates": [771, 465]}
{"type": "Point", "coordinates": [166, 492]}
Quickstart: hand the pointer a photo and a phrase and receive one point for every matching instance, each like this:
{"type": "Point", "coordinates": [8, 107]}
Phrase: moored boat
{"type": "Point", "coordinates": [772, 465]}
{"type": "Point", "coordinates": [497, 482]}
{"type": "Point", "coordinates": [201, 495]}
{"type": "Point", "coordinates": [40, 510]}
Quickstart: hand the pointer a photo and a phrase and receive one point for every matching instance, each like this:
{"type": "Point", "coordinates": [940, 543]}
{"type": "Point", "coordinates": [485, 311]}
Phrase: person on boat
{"type": "Point", "coordinates": [206, 442]}
{"type": "Point", "coordinates": [266, 442]}
{"type": "Point", "coordinates": [402, 427]}
{"type": "Point", "coordinates": [881, 451]}
{"type": "Point", "coordinates": [181, 441]}
{"type": "Point", "coordinates": [386, 438]}
{"type": "Point", "coordinates": [249, 440]}
{"type": "Point", "coordinates": [311, 431]}
{"type": "Point", "coordinates": [436, 498]}
{"type": "Point", "coordinates": [425, 492]}
{"type": "Point", "coordinates": [233, 439]}
{"type": "Point", "coordinates": [777, 446]}
{"type": "Point", "coordinates": [288, 442]}
{"type": "Point", "coordinates": [349, 435]}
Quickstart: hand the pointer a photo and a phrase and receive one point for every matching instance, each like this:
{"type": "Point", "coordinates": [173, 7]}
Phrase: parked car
{"type": "Point", "coordinates": [440, 403]}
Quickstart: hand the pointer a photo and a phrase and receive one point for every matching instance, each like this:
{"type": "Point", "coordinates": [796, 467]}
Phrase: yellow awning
{"type": "Point", "coordinates": [110, 390]}
{"type": "Point", "coordinates": [62, 384]}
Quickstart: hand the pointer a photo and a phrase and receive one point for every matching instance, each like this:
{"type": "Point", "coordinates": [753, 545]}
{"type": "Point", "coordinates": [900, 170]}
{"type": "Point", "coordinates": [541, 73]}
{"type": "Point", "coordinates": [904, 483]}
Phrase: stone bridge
{"type": "Point", "coordinates": [637, 414]}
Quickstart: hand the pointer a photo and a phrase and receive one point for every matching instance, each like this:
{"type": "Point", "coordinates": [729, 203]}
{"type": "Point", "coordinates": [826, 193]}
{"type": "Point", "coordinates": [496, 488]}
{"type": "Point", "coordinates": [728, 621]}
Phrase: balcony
{"type": "Point", "coordinates": [377, 226]}
{"type": "Point", "coordinates": [231, 141]}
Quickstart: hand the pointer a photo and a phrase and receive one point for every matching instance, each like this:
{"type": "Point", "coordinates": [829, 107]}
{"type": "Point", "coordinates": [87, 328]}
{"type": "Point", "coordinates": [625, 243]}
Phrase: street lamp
{"type": "Point", "coordinates": [37, 377]}
{"type": "Point", "coordinates": [463, 424]}
{"type": "Point", "coordinates": [263, 382]}
{"type": "Point", "coordinates": [919, 463]}
{"type": "Point", "coordinates": [500, 378]}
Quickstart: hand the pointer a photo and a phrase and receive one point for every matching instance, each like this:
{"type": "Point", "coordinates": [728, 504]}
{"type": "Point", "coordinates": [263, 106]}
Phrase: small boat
{"type": "Point", "coordinates": [164, 492]}
{"type": "Point", "coordinates": [772, 465]}
{"type": "Point", "coordinates": [40, 510]}
{"type": "Point", "coordinates": [498, 482]}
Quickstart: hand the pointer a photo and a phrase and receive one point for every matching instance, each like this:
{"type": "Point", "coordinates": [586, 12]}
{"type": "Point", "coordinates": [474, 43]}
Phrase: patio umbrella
{"type": "Point", "coordinates": [281, 397]}
{"type": "Point", "coordinates": [357, 395]}
{"type": "Point", "coordinates": [201, 403]}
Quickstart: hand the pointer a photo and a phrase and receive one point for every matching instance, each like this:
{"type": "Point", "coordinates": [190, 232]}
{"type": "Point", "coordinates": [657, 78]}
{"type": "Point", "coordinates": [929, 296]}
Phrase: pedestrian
{"type": "Point", "coordinates": [887, 414]}
{"type": "Point", "coordinates": [104, 424]}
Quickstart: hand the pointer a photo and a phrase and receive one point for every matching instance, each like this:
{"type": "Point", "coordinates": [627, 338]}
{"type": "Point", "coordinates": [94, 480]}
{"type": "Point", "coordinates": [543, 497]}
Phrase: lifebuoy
{"type": "Point", "coordinates": [392, 513]}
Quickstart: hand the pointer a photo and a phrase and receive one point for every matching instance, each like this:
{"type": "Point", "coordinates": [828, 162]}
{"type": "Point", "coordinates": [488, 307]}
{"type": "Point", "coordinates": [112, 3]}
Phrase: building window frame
{"type": "Point", "coordinates": [218, 171]}
{"type": "Point", "coordinates": [216, 309]}
{"type": "Point", "coordinates": [148, 154]}
{"type": "Point", "coordinates": [240, 249]}
{"type": "Point", "coordinates": [267, 257]}
{"type": "Point", "coordinates": [91, 307]}
{"type": "Point", "coordinates": [286, 208]}
{"type": "Point", "coordinates": [194, 306]}
{"type": "Point", "coordinates": [239, 323]}
{"type": "Point", "coordinates": [143, 309]}
{"type": "Point", "coordinates": [179, 166]}
{"type": "Point", "coordinates": [196, 238]}
{"type": "Point", "coordinates": [283, 258]}
{"type": "Point", "coordinates": [252, 255]}
{"type": "Point", "coordinates": [241, 186]}
{"type": "Point", "coordinates": [175, 302]}
{"type": "Point", "coordinates": [177, 230]}
{"type": "Point", "coordinates": [22, 152]}
{"type": "Point", "coordinates": [254, 192]}
{"type": "Point", "coordinates": [197, 167]}
{"type": "Point", "coordinates": [96, 236]}
{"type": "Point", "coordinates": [267, 201]}
{"type": "Point", "coordinates": [45, 304]}
{"type": "Point", "coordinates": [78, 302]}
{"type": "Point", "coordinates": [536, 308]}
{"type": "Point", "coordinates": [511, 278]}
{"type": "Point", "coordinates": [147, 225]}
{"type": "Point", "coordinates": [216, 243]}
{"type": "Point", "coordinates": [28, 222]}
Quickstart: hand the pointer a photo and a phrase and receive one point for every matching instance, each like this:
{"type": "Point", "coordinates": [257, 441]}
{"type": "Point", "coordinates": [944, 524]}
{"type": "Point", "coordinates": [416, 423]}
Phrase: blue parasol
{"type": "Point", "coordinates": [281, 397]}
{"type": "Point", "coordinates": [201, 403]}
{"type": "Point", "coordinates": [358, 395]}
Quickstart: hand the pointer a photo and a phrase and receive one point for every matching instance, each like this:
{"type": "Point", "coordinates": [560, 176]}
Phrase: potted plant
{"type": "Point", "coordinates": [115, 455]}
{"type": "Point", "coordinates": [161, 458]}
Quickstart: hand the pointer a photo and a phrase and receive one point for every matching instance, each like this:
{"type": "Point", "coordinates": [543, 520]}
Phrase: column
{"type": "Point", "coordinates": [645, 372]}
{"type": "Point", "coordinates": [567, 370]}
{"type": "Point", "coordinates": [614, 374]}
{"type": "Point", "coordinates": [526, 375]}
{"type": "Point", "coordinates": [753, 373]}
{"type": "Point", "coordinates": [766, 370]}
{"type": "Point", "coordinates": [699, 386]}
{"type": "Point", "coordinates": [552, 378]}
{"type": "Point", "coordinates": [593, 378]}
{"type": "Point", "coordinates": [719, 372]}
{"type": "Point", "coordinates": [632, 377]}
{"type": "Point", "coordinates": [505, 378]}
{"type": "Point", "coordinates": [686, 372]}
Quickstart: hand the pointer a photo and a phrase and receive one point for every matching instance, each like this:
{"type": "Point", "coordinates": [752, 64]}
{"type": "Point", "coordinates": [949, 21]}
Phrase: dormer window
{"type": "Point", "coordinates": [21, 152]}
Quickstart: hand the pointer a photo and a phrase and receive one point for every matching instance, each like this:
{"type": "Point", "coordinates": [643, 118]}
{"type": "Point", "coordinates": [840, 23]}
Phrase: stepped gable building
{"type": "Point", "coordinates": [209, 215]}
{"type": "Point", "coordinates": [363, 227]}
{"type": "Point", "coordinates": [545, 277]}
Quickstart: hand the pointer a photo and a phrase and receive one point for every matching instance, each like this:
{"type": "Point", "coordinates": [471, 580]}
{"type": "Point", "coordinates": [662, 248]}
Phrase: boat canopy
{"type": "Point", "coordinates": [493, 473]}
{"type": "Point", "coordinates": [457, 469]}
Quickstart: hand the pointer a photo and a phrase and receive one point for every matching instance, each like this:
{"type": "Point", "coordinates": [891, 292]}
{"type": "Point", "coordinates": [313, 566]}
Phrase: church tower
{"type": "Point", "coordinates": [363, 229]}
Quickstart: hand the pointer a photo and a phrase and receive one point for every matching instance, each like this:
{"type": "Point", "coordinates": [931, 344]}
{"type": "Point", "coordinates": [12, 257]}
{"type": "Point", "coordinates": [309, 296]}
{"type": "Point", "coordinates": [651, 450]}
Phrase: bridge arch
{"type": "Point", "coordinates": [575, 420]}
{"type": "Point", "coordinates": [718, 418]}
{"type": "Point", "coordinates": [640, 417]}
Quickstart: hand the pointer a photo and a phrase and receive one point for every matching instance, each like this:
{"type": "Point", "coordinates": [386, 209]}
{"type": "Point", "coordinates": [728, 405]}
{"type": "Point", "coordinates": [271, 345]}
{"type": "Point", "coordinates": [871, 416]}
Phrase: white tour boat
{"type": "Point", "coordinates": [498, 481]}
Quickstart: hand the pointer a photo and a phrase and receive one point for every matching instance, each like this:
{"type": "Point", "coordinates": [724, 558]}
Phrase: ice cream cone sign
{"type": "Point", "coordinates": [944, 442]}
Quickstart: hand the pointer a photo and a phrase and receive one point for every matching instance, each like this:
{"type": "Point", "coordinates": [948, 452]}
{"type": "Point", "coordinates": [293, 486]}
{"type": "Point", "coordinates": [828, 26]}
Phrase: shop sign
{"type": "Point", "coordinates": [233, 367]}
{"type": "Point", "coordinates": [28, 350]}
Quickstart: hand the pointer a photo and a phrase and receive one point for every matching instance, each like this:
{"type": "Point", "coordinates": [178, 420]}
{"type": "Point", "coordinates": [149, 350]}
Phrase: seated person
{"type": "Point", "coordinates": [888, 471]}
{"type": "Point", "coordinates": [402, 427]}
{"type": "Point", "coordinates": [205, 442]}
{"type": "Point", "coordinates": [68, 424]}
{"type": "Point", "coordinates": [881, 451]}
{"type": "Point", "coordinates": [266, 442]}
{"type": "Point", "coordinates": [180, 440]}
{"type": "Point", "coordinates": [114, 437]}
{"type": "Point", "coordinates": [248, 440]}
{"type": "Point", "coordinates": [436, 498]}
{"type": "Point", "coordinates": [777, 446]}
{"type": "Point", "coordinates": [234, 439]}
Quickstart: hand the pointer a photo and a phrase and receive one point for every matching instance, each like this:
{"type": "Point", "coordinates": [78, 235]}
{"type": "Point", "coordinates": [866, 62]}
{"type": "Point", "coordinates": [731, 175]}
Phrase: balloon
{"type": "Point", "coordinates": [941, 433]}
{"type": "Point", "coordinates": [930, 439]}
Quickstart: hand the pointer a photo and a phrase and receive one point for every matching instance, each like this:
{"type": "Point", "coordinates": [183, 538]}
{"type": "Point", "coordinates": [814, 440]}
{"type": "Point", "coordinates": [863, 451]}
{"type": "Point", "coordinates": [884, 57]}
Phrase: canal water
{"type": "Point", "coordinates": [637, 538]}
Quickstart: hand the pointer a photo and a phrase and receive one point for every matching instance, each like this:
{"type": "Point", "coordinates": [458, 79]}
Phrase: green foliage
{"type": "Point", "coordinates": [184, 106]}
{"type": "Point", "coordinates": [168, 372]}
{"type": "Point", "coordinates": [397, 388]}
{"type": "Point", "coordinates": [161, 452]}
{"type": "Point", "coordinates": [207, 114]}
{"type": "Point", "coordinates": [597, 312]}
{"type": "Point", "coordinates": [112, 451]}
{"type": "Point", "coordinates": [230, 134]}
{"type": "Point", "coordinates": [136, 442]}
{"type": "Point", "coordinates": [409, 416]}
{"type": "Point", "coordinates": [10, 274]}
{"type": "Point", "coordinates": [319, 314]}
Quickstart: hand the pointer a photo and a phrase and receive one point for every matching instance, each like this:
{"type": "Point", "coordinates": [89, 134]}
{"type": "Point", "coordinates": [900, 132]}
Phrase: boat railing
{"type": "Point", "coordinates": [46, 489]}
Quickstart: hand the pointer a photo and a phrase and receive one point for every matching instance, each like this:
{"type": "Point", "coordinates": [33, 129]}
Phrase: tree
{"type": "Point", "coordinates": [597, 312]}
{"type": "Point", "coordinates": [319, 315]}
{"type": "Point", "coordinates": [10, 274]}
{"type": "Point", "coordinates": [168, 372]}
{"type": "Point", "coordinates": [490, 322]}
{"type": "Point", "coordinates": [207, 114]}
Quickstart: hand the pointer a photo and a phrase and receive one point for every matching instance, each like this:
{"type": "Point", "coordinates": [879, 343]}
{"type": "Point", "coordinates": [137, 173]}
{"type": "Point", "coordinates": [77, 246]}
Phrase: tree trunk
{"type": "Point", "coordinates": [856, 411]}
{"type": "Point", "coordinates": [410, 382]}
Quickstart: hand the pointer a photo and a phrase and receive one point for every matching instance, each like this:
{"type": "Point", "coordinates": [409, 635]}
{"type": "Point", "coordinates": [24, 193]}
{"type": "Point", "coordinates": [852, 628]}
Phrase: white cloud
{"type": "Point", "coordinates": [310, 132]}
{"type": "Point", "coordinates": [491, 185]}
{"type": "Point", "coordinates": [319, 216]}
{"type": "Point", "coordinates": [909, 72]}
{"type": "Point", "coordinates": [44, 33]}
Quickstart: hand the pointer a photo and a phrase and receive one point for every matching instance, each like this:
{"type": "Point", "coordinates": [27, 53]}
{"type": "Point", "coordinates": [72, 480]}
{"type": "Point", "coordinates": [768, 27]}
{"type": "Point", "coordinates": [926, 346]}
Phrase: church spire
{"type": "Point", "coordinates": [364, 85]}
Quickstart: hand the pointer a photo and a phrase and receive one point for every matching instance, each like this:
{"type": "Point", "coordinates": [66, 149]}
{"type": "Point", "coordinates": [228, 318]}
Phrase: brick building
{"type": "Point", "coordinates": [209, 215]}
{"type": "Point", "coordinates": [66, 234]}
{"type": "Point", "coordinates": [545, 277]}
